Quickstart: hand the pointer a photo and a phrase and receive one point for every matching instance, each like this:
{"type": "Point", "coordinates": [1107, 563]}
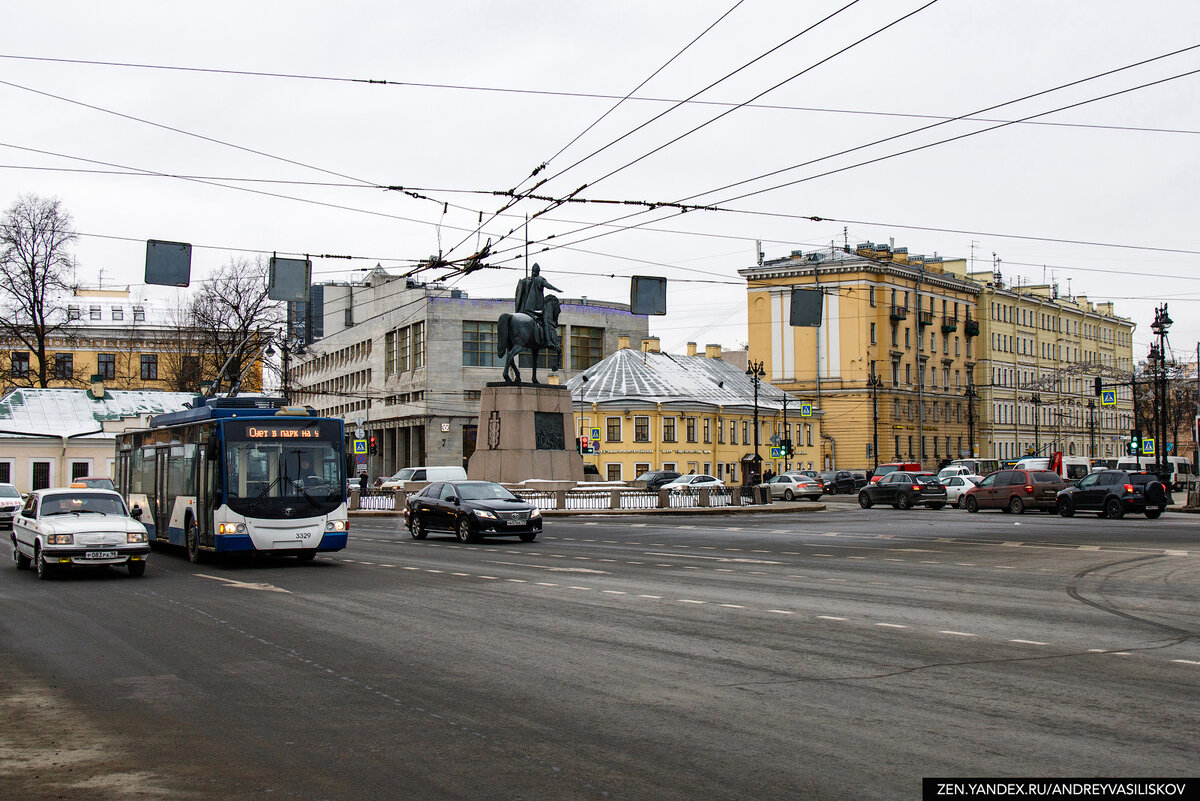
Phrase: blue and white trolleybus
{"type": "Point", "coordinates": [241, 474]}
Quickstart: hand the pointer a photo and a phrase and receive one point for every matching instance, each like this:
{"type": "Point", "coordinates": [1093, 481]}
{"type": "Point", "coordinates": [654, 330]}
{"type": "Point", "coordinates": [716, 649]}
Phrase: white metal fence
{"type": "Point", "coordinates": [589, 499]}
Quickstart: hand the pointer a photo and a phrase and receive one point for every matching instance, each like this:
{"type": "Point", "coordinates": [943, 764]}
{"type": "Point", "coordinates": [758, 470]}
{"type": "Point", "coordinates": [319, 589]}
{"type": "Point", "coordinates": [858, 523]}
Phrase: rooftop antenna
{"type": "Point", "coordinates": [527, 245]}
{"type": "Point", "coordinates": [758, 251]}
{"type": "Point", "coordinates": [846, 238]}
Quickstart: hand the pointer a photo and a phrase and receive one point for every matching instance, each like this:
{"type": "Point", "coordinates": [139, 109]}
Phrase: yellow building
{"type": "Point", "coordinates": [1042, 354]}
{"type": "Point", "coordinates": [891, 359]}
{"type": "Point", "coordinates": [128, 339]}
{"type": "Point", "coordinates": [689, 413]}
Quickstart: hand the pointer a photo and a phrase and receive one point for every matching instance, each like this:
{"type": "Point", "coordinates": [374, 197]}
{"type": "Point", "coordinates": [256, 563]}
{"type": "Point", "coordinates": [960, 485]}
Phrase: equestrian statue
{"type": "Point", "coordinates": [532, 328]}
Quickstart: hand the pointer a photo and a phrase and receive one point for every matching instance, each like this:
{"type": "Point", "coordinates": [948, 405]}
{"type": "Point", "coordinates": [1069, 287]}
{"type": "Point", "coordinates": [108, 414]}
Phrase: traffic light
{"type": "Point", "coordinates": [371, 446]}
{"type": "Point", "coordinates": [1099, 387]}
{"type": "Point", "coordinates": [786, 444]}
{"type": "Point", "coordinates": [1135, 442]}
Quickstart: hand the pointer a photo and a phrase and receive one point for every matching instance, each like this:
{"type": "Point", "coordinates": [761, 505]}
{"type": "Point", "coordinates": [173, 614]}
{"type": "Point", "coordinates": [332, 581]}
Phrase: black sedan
{"type": "Point", "coordinates": [904, 490]}
{"type": "Point", "coordinates": [471, 510]}
{"type": "Point", "coordinates": [1112, 493]}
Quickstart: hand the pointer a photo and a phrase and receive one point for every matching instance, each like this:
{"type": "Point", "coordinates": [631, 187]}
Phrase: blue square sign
{"type": "Point", "coordinates": [1108, 397]}
{"type": "Point", "coordinates": [806, 410]}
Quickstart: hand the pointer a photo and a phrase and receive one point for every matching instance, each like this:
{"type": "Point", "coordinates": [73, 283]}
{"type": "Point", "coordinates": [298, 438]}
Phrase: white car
{"type": "Point", "coordinates": [957, 486]}
{"type": "Point", "coordinates": [10, 502]}
{"type": "Point", "coordinates": [693, 482]}
{"type": "Point", "coordinates": [59, 528]}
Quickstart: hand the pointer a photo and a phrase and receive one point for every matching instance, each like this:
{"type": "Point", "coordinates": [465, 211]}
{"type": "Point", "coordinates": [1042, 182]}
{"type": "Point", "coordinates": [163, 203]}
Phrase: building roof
{"type": "Point", "coordinates": [638, 377]}
{"type": "Point", "coordinates": [73, 412]}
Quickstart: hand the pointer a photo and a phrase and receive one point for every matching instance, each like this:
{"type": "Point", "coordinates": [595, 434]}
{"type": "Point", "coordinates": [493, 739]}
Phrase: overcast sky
{"type": "Point", "coordinates": [490, 90]}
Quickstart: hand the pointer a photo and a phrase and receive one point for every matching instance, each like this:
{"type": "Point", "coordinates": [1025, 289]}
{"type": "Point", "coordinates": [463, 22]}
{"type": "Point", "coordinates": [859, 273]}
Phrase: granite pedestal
{"type": "Point", "coordinates": [525, 431]}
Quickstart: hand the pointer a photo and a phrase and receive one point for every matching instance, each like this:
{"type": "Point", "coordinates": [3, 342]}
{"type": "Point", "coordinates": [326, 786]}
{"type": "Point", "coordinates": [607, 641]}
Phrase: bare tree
{"type": "Point", "coordinates": [232, 318]}
{"type": "Point", "coordinates": [35, 267]}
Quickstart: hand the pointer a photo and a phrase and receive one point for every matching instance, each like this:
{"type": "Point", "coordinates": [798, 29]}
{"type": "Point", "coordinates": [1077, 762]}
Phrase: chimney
{"type": "Point", "coordinates": [691, 349]}
{"type": "Point", "coordinates": [622, 342]}
{"type": "Point", "coordinates": [650, 345]}
{"type": "Point", "coordinates": [97, 389]}
{"type": "Point", "coordinates": [712, 351]}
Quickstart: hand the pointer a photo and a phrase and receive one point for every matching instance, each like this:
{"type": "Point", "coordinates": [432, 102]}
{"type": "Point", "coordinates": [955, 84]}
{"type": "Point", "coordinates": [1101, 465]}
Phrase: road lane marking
{"type": "Point", "coordinates": [689, 601]}
{"type": "Point", "coordinates": [613, 592]}
{"type": "Point", "coordinates": [1186, 661]}
{"type": "Point", "coordinates": [891, 626]}
{"type": "Point", "coordinates": [1030, 642]}
{"type": "Point", "coordinates": [957, 633]}
{"type": "Point", "coordinates": [245, 585]}
{"type": "Point", "coordinates": [830, 617]}
{"type": "Point", "coordinates": [655, 597]}
{"type": "Point", "coordinates": [739, 606]}
{"type": "Point", "coordinates": [780, 612]}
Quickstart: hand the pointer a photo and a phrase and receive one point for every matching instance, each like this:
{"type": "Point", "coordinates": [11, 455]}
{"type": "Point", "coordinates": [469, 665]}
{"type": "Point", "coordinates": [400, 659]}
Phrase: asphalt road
{"type": "Point", "coordinates": [829, 655]}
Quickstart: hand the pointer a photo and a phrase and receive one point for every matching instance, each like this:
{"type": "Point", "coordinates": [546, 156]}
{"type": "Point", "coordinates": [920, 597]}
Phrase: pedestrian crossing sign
{"type": "Point", "coordinates": [1108, 397]}
{"type": "Point", "coordinates": [360, 446]}
{"type": "Point", "coordinates": [1147, 446]}
{"type": "Point", "coordinates": [806, 410]}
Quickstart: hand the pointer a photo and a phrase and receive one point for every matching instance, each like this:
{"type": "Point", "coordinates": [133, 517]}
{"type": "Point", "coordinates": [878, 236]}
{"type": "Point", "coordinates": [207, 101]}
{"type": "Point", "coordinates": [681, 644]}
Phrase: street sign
{"type": "Point", "coordinates": [595, 434]}
{"type": "Point", "coordinates": [362, 462]}
{"type": "Point", "coordinates": [1147, 446]}
{"type": "Point", "coordinates": [806, 410]}
{"type": "Point", "coordinates": [359, 433]}
{"type": "Point", "coordinates": [776, 453]}
{"type": "Point", "coordinates": [360, 446]}
{"type": "Point", "coordinates": [1108, 397]}
{"type": "Point", "coordinates": [1170, 446]}
{"type": "Point", "coordinates": [774, 439]}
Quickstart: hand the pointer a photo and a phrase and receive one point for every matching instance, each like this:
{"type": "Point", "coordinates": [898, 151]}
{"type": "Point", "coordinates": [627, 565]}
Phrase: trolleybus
{"type": "Point", "coordinates": [241, 474]}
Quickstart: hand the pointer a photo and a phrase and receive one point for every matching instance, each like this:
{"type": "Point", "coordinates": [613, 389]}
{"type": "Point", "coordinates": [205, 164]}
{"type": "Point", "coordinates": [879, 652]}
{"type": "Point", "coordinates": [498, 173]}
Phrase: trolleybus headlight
{"type": "Point", "coordinates": [60, 539]}
{"type": "Point", "coordinates": [231, 528]}
{"type": "Point", "coordinates": [135, 536]}
{"type": "Point", "coordinates": [337, 525]}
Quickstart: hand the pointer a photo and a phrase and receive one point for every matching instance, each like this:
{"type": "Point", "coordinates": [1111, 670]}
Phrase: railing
{"type": "Point", "coordinates": [949, 324]}
{"type": "Point", "coordinates": [380, 500]}
{"type": "Point", "coordinates": [899, 312]}
{"type": "Point", "coordinates": [924, 318]}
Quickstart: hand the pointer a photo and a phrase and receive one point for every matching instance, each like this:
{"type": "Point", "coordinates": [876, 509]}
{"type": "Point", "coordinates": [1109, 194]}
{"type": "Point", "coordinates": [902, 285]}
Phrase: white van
{"type": "Point", "coordinates": [423, 475]}
{"type": "Point", "coordinates": [1073, 467]}
{"type": "Point", "coordinates": [1182, 475]}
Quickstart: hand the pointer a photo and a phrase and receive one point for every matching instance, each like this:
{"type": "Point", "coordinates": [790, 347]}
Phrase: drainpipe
{"type": "Point", "coordinates": [832, 450]}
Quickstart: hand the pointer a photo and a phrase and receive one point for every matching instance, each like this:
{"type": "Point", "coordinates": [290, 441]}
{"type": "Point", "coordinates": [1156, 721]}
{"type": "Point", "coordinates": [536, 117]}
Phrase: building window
{"type": "Point", "coordinates": [720, 431]}
{"type": "Point", "coordinates": [149, 367]}
{"type": "Point", "coordinates": [6, 473]}
{"type": "Point", "coordinates": [404, 349]}
{"type": "Point", "coordinates": [64, 365]}
{"type": "Point", "coordinates": [20, 364]}
{"type": "Point", "coordinates": [587, 346]}
{"type": "Point", "coordinates": [733, 432]}
{"type": "Point", "coordinates": [640, 467]}
{"type": "Point", "coordinates": [479, 344]}
{"type": "Point", "coordinates": [118, 313]}
{"type": "Point", "coordinates": [613, 432]}
{"type": "Point", "coordinates": [41, 475]}
{"type": "Point", "coordinates": [668, 429]}
{"type": "Point", "coordinates": [872, 333]}
{"type": "Point", "coordinates": [614, 472]}
{"type": "Point", "coordinates": [94, 313]}
{"type": "Point", "coordinates": [690, 429]}
{"type": "Point", "coordinates": [641, 429]}
{"type": "Point", "coordinates": [74, 313]}
{"type": "Point", "coordinates": [745, 432]}
{"type": "Point", "coordinates": [871, 295]}
{"type": "Point", "coordinates": [418, 345]}
{"type": "Point", "coordinates": [707, 431]}
{"type": "Point", "coordinates": [389, 353]}
{"type": "Point", "coordinates": [106, 366]}
{"type": "Point", "coordinates": [139, 314]}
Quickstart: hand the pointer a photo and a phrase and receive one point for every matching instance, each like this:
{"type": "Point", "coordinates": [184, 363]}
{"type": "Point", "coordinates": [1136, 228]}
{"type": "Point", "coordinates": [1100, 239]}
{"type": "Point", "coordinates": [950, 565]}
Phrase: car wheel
{"type": "Point", "coordinates": [44, 571]}
{"type": "Point", "coordinates": [1016, 505]}
{"type": "Point", "coordinates": [192, 540]}
{"type": "Point", "coordinates": [20, 560]}
{"type": "Point", "coordinates": [1153, 513]}
{"type": "Point", "coordinates": [788, 495]}
{"type": "Point", "coordinates": [961, 503]}
{"type": "Point", "coordinates": [864, 500]}
{"type": "Point", "coordinates": [903, 501]}
{"type": "Point", "coordinates": [418, 530]}
{"type": "Point", "coordinates": [1066, 508]}
{"type": "Point", "coordinates": [464, 531]}
{"type": "Point", "coordinates": [936, 505]}
{"type": "Point", "coordinates": [137, 569]}
{"type": "Point", "coordinates": [1113, 509]}
{"type": "Point", "coordinates": [972, 504]}
{"type": "Point", "coordinates": [528, 537]}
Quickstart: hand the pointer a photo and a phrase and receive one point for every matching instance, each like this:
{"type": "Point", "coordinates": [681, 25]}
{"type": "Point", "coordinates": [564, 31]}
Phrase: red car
{"type": "Point", "coordinates": [1015, 491]}
{"type": "Point", "coordinates": [892, 467]}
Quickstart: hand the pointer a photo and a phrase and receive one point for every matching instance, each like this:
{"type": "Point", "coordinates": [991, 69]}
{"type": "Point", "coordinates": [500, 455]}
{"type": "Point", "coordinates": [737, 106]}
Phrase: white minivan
{"type": "Point", "coordinates": [423, 475]}
{"type": "Point", "coordinates": [1073, 467]}
{"type": "Point", "coordinates": [1182, 475]}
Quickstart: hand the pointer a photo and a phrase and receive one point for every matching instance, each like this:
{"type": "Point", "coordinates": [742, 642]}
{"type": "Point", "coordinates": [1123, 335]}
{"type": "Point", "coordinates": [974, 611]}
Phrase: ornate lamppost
{"type": "Point", "coordinates": [971, 395]}
{"type": "Point", "coordinates": [756, 372]}
{"type": "Point", "coordinates": [1160, 326]}
{"type": "Point", "coordinates": [875, 383]}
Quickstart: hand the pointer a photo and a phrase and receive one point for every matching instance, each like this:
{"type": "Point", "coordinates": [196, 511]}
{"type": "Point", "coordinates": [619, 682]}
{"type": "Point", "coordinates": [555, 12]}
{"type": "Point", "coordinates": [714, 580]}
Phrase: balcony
{"type": "Point", "coordinates": [949, 325]}
{"type": "Point", "coordinates": [899, 313]}
{"type": "Point", "coordinates": [971, 327]}
{"type": "Point", "coordinates": [924, 318]}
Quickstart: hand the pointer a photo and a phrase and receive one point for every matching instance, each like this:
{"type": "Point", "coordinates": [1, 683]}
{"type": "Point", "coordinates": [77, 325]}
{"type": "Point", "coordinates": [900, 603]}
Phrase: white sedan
{"type": "Point", "coordinates": [59, 528]}
{"type": "Point", "coordinates": [957, 486]}
{"type": "Point", "coordinates": [693, 482]}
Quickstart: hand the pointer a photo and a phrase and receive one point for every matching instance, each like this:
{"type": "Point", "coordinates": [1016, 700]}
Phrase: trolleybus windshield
{"type": "Point", "coordinates": [283, 468]}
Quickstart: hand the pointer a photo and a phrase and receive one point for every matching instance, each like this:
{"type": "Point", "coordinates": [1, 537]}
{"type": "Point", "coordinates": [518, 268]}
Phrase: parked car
{"type": "Point", "coordinates": [93, 482]}
{"type": "Point", "coordinates": [59, 528]}
{"type": "Point", "coordinates": [653, 479]}
{"type": "Point", "coordinates": [470, 510]}
{"type": "Point", "coordinates": [957, 486]}
{"type": "Point", "coordinates": [420, 475]}
{"type": "Point", "coordinates": [891, 467]}
{"type": "Point", "coordinates": [693, 482]}
{"type": "Point", "coordinates": [10, 502]}
{"type": "Point", "coordinates": [1015, 491]}
{"type": "Point", "coordinates": [903, 490]}
{"type": "Point", "coordinates": [789, 487]}
{"type": "Point", "coordinates": [1112, 493]}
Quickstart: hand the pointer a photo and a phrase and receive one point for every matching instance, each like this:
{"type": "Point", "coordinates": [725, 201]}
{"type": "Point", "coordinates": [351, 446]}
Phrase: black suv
{"type": "Point", "coordinates": [904, 490]}
{"type": "Point", "coordinates": [843, 481]}
{"type": "Point", "coordinates": [653, 479]}
{"type": "Point", "coordinates": [1112, 493]}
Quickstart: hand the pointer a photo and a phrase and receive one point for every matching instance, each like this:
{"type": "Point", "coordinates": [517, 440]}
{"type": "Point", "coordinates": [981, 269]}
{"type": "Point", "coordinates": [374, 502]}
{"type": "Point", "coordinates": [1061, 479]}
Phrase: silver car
{"type": "Point", "coordinates": [790, 486]}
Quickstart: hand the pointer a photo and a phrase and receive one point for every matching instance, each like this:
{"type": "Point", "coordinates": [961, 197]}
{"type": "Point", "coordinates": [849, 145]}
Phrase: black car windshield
{"type": "Point", "coordinates": [484, 491]}
{"type": "Point", "coordinates": [83, 503]}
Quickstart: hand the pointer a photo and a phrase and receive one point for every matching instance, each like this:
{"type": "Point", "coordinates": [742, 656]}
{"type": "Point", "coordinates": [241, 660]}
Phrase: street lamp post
{"type": "Point", "coordinates": [875, 383]}
{"type": "Point", "coordinates": [1160, 326]}
{"type": "Point", "coordinates": [971, 395]}
{"type": "Point", "coordinates": [756, 372]}
{"type": "Point", "coordinates": [1036, 400]}
{"type": "Point", "coordinates": [1091, 428]}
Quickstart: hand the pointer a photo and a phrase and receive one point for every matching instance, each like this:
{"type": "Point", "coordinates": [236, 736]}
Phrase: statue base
{"type": "Point", "coordinates": [525, 432]}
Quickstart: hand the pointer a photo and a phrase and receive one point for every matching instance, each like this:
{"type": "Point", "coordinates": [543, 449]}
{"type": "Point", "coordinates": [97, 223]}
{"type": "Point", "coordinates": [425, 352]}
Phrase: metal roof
{"type": "Point", "coordinates": [635, 376]}
{"type": "Point", "coordinates": [73, 412]}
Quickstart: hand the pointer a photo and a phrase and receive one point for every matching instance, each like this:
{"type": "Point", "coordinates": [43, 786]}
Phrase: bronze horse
{"type": "Point", "coordinates": [520, 332]}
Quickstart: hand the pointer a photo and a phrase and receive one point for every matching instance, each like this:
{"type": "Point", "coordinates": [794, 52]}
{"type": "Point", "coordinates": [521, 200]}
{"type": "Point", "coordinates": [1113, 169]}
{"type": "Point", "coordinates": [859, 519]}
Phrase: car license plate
{"type": "Point", "coordinates": [516, 521]}
{"type": "Point", "coordinates": [100, 555]}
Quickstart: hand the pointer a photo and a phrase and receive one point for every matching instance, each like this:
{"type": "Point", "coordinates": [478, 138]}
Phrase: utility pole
{"type": "Point", "coordinates": [755, 371]}
{"type": "Point", "coordinates": [875, 382]}
{"type": "Point", "coordinates": [971, 395]}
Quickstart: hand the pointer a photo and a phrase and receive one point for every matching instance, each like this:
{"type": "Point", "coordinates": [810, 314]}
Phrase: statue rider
{"type": "Point", "coordinates": [531, 299]}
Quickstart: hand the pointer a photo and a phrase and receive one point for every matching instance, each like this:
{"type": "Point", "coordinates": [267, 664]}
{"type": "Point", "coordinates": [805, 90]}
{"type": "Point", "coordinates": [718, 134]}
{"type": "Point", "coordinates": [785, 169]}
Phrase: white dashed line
{"type": "Point", "coordinates": [739, 606]}
{"type": "Point", "coordinates": [489, 578]}
{"type": "Point", "coordinates": [579, 588]}
{"type": "Point", "coordinates": [613, 592]}
{"type": "Point", "coordinates": [654, 597]}
{"type": "Point", "coordinates": [1029, 642]}
{"type": "Point", "coordinates": [891, 625]}
{"type": "Point", "coordinates": [780, 612]}
{"type": "Point", "coordinates": [1186, 661]}
{"type": "Point", "coordinates": [517, 581]}
{"type": "Point", "coordinates": [957, 633]}
{"type": "Point", "coordinates": [830, 617]}
{"type": "Point", "coordinates": [689, 601]}
{"type": "Point", "coordinates": [546, 584]}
